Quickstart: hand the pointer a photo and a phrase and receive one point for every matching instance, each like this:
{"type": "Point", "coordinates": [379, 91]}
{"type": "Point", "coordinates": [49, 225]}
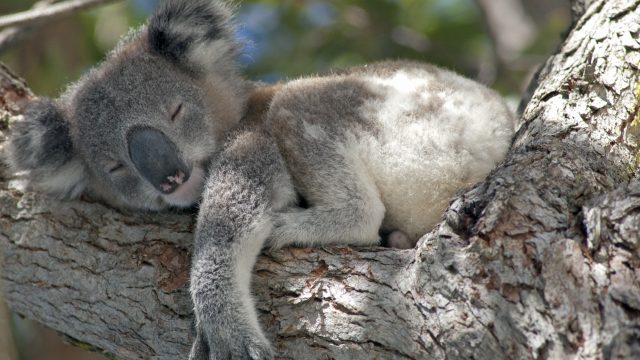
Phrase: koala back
{"type": "Point", "coordinates": [417, 132]}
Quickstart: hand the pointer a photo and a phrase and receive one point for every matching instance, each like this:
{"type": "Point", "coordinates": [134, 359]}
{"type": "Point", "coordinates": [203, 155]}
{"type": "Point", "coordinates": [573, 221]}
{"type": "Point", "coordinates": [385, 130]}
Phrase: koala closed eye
{"type": "Point", "coordinates": [177, 112]}
{"type": "Point", "coordinates": [115, 168]}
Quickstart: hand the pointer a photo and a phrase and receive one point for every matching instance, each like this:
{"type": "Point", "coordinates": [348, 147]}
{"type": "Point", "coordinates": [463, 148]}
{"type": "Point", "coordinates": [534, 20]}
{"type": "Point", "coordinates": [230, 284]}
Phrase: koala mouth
{"type": "Point", "coordinates": [187, 192]}
{"type": "Point", "coordinates": [173, 181]}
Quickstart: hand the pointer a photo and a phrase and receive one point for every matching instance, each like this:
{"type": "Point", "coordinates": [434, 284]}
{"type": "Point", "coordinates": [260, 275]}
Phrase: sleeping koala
{"type": "Point", "coordinates": [167, 121]}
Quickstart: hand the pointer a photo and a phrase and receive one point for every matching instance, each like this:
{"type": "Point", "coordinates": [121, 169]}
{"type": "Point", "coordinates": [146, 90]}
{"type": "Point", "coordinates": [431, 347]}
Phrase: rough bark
{"type": "Point", "coordinates": [542, 260]}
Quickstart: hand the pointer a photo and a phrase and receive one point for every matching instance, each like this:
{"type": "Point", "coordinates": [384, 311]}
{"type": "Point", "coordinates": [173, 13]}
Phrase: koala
{"type": "Point", "coordinates": [168, 121]}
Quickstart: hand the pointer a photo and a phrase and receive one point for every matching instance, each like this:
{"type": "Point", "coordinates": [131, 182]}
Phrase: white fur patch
{"type": "Point", "coordinates": [69, 181]}
{"type": "Point", "coordinates": [440, 134]}
{"type": "Point", "coordinates": [313, 130]}
{"type": "Point", "coordinates": [246, 252]}
{"type": "Point", "coordinates": [209, 53]}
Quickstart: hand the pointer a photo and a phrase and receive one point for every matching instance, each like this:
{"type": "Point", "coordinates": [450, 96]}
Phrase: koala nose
{"type": "Point", "coordinates": [155, 156]}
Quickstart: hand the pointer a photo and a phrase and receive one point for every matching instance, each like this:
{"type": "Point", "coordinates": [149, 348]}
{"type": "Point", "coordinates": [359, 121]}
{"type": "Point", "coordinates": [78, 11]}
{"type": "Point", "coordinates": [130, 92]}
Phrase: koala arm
{"type": "Point", "coordinates": [234, 220]}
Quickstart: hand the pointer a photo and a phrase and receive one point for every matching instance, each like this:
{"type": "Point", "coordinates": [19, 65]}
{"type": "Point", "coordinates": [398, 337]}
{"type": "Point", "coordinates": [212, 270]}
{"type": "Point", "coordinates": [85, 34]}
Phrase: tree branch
{"type": "Point", "coordinates": [538, 261]}
{"type": "Point", "coordinates": [510, 27]}
{"type": "Point", "coordinates": [12, 35]}
{"type": "Point", "coordinates": [49, 13]}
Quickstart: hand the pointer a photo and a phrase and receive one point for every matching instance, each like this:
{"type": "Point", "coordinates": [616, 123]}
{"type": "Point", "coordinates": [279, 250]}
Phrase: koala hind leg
{"type": "Point", "coordinates": [344, 207]}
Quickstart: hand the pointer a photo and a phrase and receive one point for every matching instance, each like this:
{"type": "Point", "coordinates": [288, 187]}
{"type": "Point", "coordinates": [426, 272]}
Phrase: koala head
{"type": "Point", "coordinates": [139, 129]}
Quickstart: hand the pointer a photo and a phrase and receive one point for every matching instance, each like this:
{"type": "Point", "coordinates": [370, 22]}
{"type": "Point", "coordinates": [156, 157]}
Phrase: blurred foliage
{"type": "Point", "coordinates": [291, 38]}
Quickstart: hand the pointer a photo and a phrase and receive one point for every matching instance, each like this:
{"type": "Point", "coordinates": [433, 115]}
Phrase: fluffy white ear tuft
{"type": "Point", "coordinates": [196, 35]}
{"type": "Point", "coordinates": [40, 147]}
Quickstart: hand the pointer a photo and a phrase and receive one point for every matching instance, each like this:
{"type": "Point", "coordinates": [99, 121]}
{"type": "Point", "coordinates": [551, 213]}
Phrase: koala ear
{"type": "Point", "coordinates": [40, 146]}
{"type": "Point", "coordinates": [196, 35]}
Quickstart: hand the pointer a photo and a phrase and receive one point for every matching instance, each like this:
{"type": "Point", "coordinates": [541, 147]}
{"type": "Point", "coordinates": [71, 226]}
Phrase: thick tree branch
{"type": "Point", "coordinates": [539, 261]}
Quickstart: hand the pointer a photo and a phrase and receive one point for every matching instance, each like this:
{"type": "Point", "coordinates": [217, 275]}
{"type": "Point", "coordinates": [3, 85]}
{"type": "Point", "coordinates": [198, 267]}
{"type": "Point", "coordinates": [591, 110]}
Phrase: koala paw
{"type": "Point", "coordinates": [285, 231]}
{"type": "Point", "coordinates": [234, 346]}
{"type": "Point", "coordinates": [398, 240]}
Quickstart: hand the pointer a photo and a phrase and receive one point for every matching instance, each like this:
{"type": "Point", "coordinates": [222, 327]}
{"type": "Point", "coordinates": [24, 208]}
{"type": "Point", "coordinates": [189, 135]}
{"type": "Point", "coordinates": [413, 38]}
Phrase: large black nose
{"type": "Point", "coordinates": [156, 158]}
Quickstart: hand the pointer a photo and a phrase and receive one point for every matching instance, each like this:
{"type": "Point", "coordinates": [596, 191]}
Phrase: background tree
{"type": "Point", "coordinates": [318, 34]}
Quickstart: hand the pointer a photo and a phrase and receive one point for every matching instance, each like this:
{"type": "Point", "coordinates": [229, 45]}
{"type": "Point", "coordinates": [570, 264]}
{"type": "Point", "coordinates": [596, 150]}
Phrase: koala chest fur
{"type": "Point", "coordinates": [391, 141]}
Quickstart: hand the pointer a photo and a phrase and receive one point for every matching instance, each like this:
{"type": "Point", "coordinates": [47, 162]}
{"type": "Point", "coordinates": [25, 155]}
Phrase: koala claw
{"type": "Point", "coordinates": [199, 349]}
{"type": "Point", "coordinates": [240, 348]}
{"type": "Point", "coordinates": [259, 351]}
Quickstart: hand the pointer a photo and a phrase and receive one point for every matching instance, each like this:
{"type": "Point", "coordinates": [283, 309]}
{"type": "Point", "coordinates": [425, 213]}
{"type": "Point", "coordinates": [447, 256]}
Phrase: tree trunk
{"type": "Point", "coordinates": [542, 260]}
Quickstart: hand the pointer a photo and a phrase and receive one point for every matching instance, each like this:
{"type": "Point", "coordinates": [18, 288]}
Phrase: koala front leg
{"type": "Point", "coordinates": [226, 321]}
{"type": "Point", "coordinates": [233, 223]}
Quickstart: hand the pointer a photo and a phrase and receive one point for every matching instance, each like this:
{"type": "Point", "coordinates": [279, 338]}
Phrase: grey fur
{"type": "Point", "coordinates": [321, 160]}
